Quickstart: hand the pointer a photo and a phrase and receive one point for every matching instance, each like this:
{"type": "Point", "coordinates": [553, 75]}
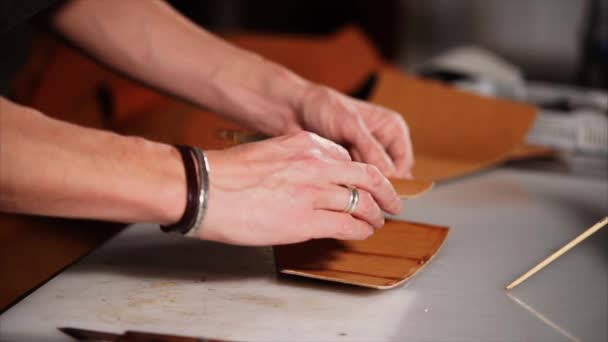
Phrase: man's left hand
{"type": "Point", "coordinates": [372, 134]}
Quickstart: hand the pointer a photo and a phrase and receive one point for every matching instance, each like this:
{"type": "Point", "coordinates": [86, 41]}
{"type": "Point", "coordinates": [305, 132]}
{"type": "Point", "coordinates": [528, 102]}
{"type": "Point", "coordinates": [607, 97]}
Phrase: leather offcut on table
{"type": "Point", "coordinates": [387, 259]}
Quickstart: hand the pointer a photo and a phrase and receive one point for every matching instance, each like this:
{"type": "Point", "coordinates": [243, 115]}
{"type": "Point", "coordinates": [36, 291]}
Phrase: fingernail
{"type": "Point", "coordinates": [398, 206]}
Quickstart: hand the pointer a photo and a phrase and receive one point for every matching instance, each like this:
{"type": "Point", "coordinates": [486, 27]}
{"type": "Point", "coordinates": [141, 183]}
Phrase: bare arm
{"type": "Point", "coordinates": [151, 42]}
{"type": "Point", "coordinates": [49, 167]}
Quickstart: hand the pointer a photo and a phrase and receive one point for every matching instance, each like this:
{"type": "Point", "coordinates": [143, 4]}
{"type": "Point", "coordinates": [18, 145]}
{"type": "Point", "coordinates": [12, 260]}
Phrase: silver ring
{"type": "Point", "coordinates": [352, 201]}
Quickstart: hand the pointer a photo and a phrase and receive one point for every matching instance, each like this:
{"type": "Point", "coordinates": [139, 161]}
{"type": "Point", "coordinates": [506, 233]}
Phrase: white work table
{"type": "Point", "coordinates": [503, 222]}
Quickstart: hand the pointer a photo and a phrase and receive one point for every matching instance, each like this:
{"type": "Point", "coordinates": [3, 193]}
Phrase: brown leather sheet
{"type": "Point", "coordinates": [387, 259]}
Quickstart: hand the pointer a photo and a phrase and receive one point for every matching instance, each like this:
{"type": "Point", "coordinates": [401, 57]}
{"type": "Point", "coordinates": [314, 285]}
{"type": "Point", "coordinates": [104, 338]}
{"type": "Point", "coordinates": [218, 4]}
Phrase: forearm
{"type": "Point", "coordinates": [49, 167]}
{"type": "Point", "coordinates": [151, 42]}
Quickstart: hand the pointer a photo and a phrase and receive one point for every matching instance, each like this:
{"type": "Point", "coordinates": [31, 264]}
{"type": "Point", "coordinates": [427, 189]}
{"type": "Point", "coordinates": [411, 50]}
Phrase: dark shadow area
{"type": "Point", "coordinates": [181, 259]}
{"type": "Point", "coordinates": [314, 254]}
{"type": "Point", "coordinates": [381, 20]}
{"type": "Point", "coordinates": [364, 91]}
{"type": "Point", "coordinates": [207, 262]}
{"type": "Point", "coordinates": [326, 286]}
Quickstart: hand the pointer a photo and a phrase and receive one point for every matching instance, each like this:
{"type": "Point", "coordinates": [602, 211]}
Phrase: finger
{"type": "Point", "coordinates": [370, 150]}
{"type": "Point", "coordinates": [354, 153]}
{"type": "Point", "coordinates": [337, 198]}
{"type": "Point", "coordinates": [342, 226]}
{"type": "Point", "coordinates": [366, 177]}
{"type": "Point", "coordinates": [403, 157]}
{"type": "Point", "coordinates": [398, 144]}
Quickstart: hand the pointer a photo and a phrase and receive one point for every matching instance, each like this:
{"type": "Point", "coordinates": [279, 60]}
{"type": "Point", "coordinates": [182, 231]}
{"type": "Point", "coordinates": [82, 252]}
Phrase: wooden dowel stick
{"type": "Point", "coordinates": [559, 253]}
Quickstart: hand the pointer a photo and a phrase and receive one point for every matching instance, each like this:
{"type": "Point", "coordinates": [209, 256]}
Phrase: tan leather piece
{"type": "Point", "coordinates": [411, 188]}
{"type": "Point", "coordinates": [453, 132]}
{"type": "Point", "coordinates": [33, 249]}
{"type": "Point", "coordinates": [387, 259]}
{"type": "Point", "coordinates": [342, 60]}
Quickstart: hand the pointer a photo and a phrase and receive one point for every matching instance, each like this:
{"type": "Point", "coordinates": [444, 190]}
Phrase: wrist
{"type": "Point", "coordinates": [258, 93]}
{"type": "Point", "coordinates": [290, 90]}
{"type": "Point", "coordinates": [163, 200]}
{"type": "Point", "coordinates": [173, 193]}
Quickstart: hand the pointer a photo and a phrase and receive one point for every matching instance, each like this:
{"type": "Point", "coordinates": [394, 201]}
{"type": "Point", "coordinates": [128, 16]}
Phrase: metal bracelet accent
{"type": "Point", "coordinates": [202, 164]}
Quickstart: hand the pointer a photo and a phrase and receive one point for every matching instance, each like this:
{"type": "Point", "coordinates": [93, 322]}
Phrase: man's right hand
{"type": "Point", "coordinates": [291, 189]}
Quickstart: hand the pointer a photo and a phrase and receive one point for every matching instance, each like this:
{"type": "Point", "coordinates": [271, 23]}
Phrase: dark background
{"type": "Point", "coordinates": [559, 41]}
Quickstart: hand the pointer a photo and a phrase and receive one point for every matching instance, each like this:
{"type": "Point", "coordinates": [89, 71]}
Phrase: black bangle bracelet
{"type": "Point", "coordinates": [192, 198]}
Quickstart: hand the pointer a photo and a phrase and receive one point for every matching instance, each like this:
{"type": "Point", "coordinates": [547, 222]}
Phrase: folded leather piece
{"type": "Point", "coordinates": [411, 188]}
{"type": "Point", "coordinates": [453, 132]}
{"type": "Point", "coordinates": [387, 259]}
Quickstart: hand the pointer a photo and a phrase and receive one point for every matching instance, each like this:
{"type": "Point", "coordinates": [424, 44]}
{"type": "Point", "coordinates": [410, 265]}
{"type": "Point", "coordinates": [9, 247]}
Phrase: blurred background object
{"type": "Point", "coordinates": [594, 61]}
{"type": "Point", "coordinates": [542, 37]}
{"type": "Point", "coordinates": [550, 40]}
{"type": "Point", "coordinates": [379, 19]}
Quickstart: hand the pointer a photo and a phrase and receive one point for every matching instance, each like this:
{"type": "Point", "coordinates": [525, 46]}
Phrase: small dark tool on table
{"type": "Point", "coordinates": [130, 336]}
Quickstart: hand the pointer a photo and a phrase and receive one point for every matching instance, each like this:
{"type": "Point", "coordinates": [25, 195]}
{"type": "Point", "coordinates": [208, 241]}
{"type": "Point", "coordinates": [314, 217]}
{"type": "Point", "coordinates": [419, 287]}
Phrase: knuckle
{"type": "Point", "coordinates": [344, 229]}
{"type": "Point", "coordinates": [366, 204]}
{"type": "Point", "coordinates": [343, 151]}
{"type": "Point", "coordinates": [312, 154]}
{"type": "Point", "coordinates": [337, 151]}
{"type": "Point", "coordinates": [320, 92]}
{"type": "Point", "coordinates": [314, 162]}
{"type": "Point", "coordinates": [374, 175]}
{"type": "Point", "coordinates": [306, 137]}
{"type": "Point", "coordinates": [303, 135]}
{"type": "Point", "coordinates": [290, 136]}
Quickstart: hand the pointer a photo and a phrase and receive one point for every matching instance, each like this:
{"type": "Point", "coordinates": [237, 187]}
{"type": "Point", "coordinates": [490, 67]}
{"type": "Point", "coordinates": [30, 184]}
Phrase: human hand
{"type": "Point", "coordinates": [373, 134]}
{"type": "Point", "coordinates": [290, 189]}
